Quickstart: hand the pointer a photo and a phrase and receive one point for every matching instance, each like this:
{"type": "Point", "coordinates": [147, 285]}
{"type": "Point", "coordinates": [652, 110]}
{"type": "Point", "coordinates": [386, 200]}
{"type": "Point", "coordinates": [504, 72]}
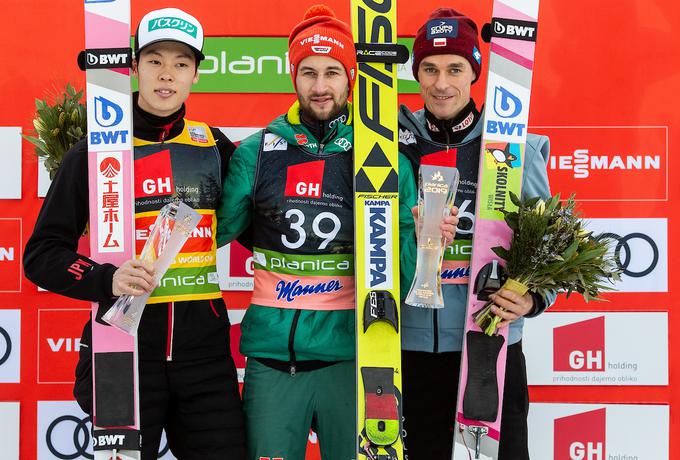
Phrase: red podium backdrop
{"type": "Point", "coordinates": [605, 90]}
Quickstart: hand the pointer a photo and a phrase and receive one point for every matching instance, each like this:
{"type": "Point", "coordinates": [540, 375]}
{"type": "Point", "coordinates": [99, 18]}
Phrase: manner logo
{"type": "Point", "coordinates": [580, 347]}
{"type": "Point", "coordinates": [305, 179]}
{"type": "Point", "coordinates": [608, 163]}
{"type": "Point", "coordinates": [10, 255]}
{"type": "Point", "coordinates": [581, 436]}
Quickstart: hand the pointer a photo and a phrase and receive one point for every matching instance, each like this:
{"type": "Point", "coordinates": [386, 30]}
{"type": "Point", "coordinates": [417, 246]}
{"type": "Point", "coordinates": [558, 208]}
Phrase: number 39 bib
{"type": "Point", "coordinates": [303, 222]}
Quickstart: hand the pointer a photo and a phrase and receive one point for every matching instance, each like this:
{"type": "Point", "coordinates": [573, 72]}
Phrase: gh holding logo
{"type": "Point", "coordinates": [506, 105]}
{"type": "Point", "coordinates": [579, 347]}
{"type": "Point", "coordinates": [305, 180]}
{"type": "Point", "coordinates": [107, 114]}
{"type": "Point", "coordinates": [581, 436]}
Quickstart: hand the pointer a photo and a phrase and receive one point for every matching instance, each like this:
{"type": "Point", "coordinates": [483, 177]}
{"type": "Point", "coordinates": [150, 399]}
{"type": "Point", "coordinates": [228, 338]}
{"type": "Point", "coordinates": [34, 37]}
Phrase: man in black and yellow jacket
{"type": "Point", "coordinates": [188, 383]}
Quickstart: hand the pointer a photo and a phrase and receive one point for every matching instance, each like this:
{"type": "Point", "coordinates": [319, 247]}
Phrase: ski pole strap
{"type": "Point", "coordinates": [380, 306]}
{"type": "Point", "coordinates": [116, 439]}
{"type": "Point", "coordinates": [105, 58]}
{"type": "Point", "coordinates": [480, 401]}
{"type": "Point", "coordinates": [389, 53]}
{"type": "Point", "coordinates": [382, 414]}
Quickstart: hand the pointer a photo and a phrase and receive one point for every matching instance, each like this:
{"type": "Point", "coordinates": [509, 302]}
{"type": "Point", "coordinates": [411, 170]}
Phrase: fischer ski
{"type": "Point", "coordinates": [107, 60]}
{"type": "Point", "coordinates": [376, 208]}
{"type": "Point", "coordinates": [482, 373]}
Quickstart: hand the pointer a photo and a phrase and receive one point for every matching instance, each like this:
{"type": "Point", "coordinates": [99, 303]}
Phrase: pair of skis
{"type": "Point", "coordinates": [480, 396]}
{"type": "Point", "coordinates": [482, 376]}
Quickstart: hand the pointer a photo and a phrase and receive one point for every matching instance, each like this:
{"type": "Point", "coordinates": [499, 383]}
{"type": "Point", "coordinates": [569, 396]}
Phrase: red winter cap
{"type": "Point", "coordinates": [320, 33]}
{"type": "Point", "coordinates": [448, 32]}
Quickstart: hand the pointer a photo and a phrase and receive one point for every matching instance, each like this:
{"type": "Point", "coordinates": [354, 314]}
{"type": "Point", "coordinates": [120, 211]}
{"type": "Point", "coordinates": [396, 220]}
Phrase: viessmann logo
{"type": "Point", "coordinates": [580, 347]}
{"type": "Point", "coordinates": [59, 334]}
{"type": "Point", "coordinates": [10, 255]}
{"type": "Point", "coordinates": [602, 163]}
{"type": "Point", "coordinates": [581, 436]}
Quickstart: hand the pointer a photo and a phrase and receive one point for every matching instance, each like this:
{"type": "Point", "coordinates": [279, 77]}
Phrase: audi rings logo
{"type": "Point", "coordinates": [63, 425]}
{"type": "Point", "coordinates": [8, 346]}
{"type": "Point", "coordinates": [623, 253]}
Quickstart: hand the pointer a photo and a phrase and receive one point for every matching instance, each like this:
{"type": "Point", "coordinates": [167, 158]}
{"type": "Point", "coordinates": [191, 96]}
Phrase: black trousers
{"type": "Point", "coordinates": [430, 390]}
{"type": "Point", "coordinates": [197, 402]}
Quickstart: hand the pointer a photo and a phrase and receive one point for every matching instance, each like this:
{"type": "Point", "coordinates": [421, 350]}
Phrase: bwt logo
{"type": "Point", "coordinates": [107, 114]}
{"type": "Point", "coordinates": [305, 179]}
{"type": "Point", "coordinates": [107, 59]}
{"type": "Point", "coordinates": [506, 105]}
{"type": "Point", "coordinates": [579, 347]}
{"type": "Point", "coordinates": [581, 436]}
{"type": "Point", "coordinates": [515, 29]}
{"type": "Point", "coordinates": [108, 440]}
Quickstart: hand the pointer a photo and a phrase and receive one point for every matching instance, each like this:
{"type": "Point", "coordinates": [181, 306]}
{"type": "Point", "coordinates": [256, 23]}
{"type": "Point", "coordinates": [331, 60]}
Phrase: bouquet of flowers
{"type": "Point", "coordinates": [551, 251]}
{"type": "Point", "coordinates": [58, 125]}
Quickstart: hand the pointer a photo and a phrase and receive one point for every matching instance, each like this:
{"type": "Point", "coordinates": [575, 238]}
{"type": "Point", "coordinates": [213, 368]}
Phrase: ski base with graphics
{"type": "Point", "coordinates": [107, 60]}
{"type": "Point", "coordinates": [376, 208]}
{"type": "Point", "coordinates": [482, 373]}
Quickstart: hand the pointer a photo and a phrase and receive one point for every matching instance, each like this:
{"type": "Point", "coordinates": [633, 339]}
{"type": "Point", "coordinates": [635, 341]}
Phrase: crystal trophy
{"type": "Point", "coordinates": [437, 187]}
{"type": "Point", "coordinates": [172, 228]}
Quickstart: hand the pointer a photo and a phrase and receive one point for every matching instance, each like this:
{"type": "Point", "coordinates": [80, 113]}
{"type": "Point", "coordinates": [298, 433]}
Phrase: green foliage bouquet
{"type": "Point", "coordinates": [551, 251]}
{"type": "Point", "coordinates": [58, 126]}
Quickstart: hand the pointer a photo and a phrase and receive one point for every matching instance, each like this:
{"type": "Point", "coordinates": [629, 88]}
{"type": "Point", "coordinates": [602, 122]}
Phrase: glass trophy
{"type": "Point", "coordinates": [174, 224]}
{"type": "Point", "coordinates": [437, 187]}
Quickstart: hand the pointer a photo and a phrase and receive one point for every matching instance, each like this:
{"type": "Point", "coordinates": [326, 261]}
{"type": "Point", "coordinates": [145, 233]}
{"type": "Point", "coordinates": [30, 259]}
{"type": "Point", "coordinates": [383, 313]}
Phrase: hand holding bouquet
{"type": "Point", "coordinates": [551, 251]}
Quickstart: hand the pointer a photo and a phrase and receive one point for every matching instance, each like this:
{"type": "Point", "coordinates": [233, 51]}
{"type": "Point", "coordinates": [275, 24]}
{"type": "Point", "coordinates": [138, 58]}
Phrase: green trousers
{"type": "Point", "coordinates": [280, 410]}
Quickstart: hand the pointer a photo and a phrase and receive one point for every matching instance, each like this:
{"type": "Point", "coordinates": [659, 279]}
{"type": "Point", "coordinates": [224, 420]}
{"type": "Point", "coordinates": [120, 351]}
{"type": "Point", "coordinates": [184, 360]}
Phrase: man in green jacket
{"type": "Point", "coordinates": [293, 182]}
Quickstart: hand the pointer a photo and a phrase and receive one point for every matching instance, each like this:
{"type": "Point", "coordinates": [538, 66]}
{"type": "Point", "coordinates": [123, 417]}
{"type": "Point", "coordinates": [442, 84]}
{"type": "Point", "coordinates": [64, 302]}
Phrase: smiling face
{"type": "Point", "coordinates": [322, 87]}
{"type": "Point", "coordinates": [445, 81]}
{"type": "Point", "coordinates": [166, 71]}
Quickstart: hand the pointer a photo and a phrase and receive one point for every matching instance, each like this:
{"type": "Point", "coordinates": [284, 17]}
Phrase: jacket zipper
{"type": "Point", "coordinates": [171, 330]}
{"type": "Point", "coordinates": [291, 342]}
